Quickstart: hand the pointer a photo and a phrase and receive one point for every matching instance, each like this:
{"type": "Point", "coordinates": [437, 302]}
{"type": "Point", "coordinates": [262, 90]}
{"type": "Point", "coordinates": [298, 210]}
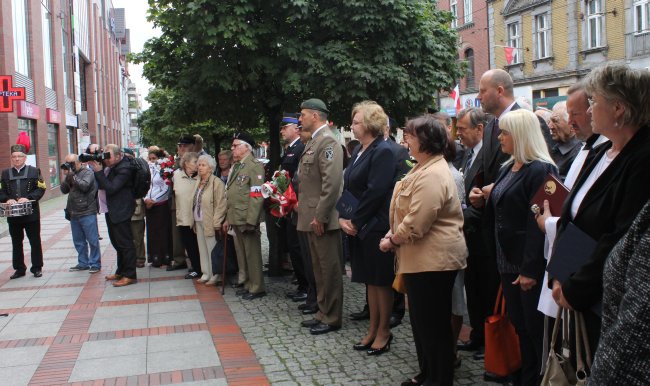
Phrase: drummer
{"type": "Point", "coordinates": [23, 184]}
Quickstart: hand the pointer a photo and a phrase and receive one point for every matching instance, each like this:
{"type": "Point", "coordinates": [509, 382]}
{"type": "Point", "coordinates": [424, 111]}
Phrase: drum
{"type": "Point", "coordinates": [16, 210]}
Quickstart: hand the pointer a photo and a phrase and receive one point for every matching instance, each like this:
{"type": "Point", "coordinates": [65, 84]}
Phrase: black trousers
{"type": "Point", "coordinates": [275, 235]}
{"type": "Point", "coordinates": [429, 297]}
{"type": "Point", "coordinates": [122, 240]}
{"type": "Point", "coordinates": [158, 232]}
{"type": "Point", "coordinates": [312, 291]}
{"type": "Point", "coordinates": [191, 246]}
{"type": "Point", "coordinates": [521, 307]}
{"type": "Point", "coordinates": [33, 231]}
{"type": "Point", "coordinates": [481, 285]}
{"type": "Point", "coordinates": [295, 254]}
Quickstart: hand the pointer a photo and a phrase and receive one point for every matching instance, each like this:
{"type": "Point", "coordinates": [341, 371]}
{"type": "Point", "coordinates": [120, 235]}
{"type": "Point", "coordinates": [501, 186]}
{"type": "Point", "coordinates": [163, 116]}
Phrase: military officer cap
{"type": "Point", "coordinates": [18, 149]}
{"type": "Point", "coordinates": [244, 136]}
{"type": "Point", "coordinates": [186, 139]}
{"type": "Point", "coordinates": [289, 119]}
{"type": "Point", "coordinates": [315, 104]}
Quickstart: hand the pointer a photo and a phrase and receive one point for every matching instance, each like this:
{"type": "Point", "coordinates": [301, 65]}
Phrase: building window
{"type": "Point", "coordinates": [453, 8]}
{"type": "Point", "coordinates": [72, 140]}
{"type": "Point", "coordinates": [27, 126]}
{"type": "Point", "coordinates": [469, 57]}
{"type": "Point", "coordinates": [21, 36]}
{"type": "Point", "coordinates": [542, 35]}
{"type": "Point", "coordinates": [514, 41]}
{"type": "Point", "coordinates": [53, 153]}
{"type": "Point", "coordinates": [641, 16]}
{"type": "Point", "coordinates": [468, 11]}
{"type": "Point", "coordinates": [48, 59]}
{"type": "Point", "coordinates": [594, 23]}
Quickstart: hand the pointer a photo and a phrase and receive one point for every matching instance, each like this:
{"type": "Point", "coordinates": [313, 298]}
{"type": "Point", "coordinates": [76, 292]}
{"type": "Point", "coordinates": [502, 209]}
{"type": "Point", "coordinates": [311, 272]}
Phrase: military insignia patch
{"type": "Point", "coordinates": [41, 185]}
{"type": "Point", "coordinates": [329, 153]}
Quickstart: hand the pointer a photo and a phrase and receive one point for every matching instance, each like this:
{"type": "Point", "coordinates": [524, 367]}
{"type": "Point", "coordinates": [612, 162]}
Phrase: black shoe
{"type": "Point", "coordinates": [238, 285]}
{"type": "Point", "coordinates": [362, 347]}
{"type": "Point", "coordinates": [322, 328]}
{"type": "Point", "coordinates": [299, 297]}
{"type": "Point", "coordinates": [38, 274]}
{"type": "Point", "coordinates": [291, 294]}
{"type": "Point", "coordinates": [192, 275]}
{"type": "Point", "coordinates": [310, 323]}
{"type": "Point", "coordinates": [361, 315]}
{"type": "Point", "coordinates": [173, 266]}
{"type": "Point", "coordinates": [78, 268]}
{"type": "Point", "coordinates": [378, 351]}
{"type": "Point", "coordinates": [395, 321]}
{"type": "Point", "coordinates": [241, 292]}
{"type": "Point", "coordinates": [294, 281]}
{"type": "Point", "coordinates": [251, 296]}
{"type": "Point", "coordinates": [415, 381]}
{"type": "Point", "coordinates": [310, 310]}
{"type": "Point", "coordinates": [17, 274]}
{"type": "Point", "coordinates": [479, 355]}
{"type": "Point", "coordinates": [491, 377]}
{"type": "Point", "coordinates": [470, 345]}
{"type": "Point", "coordinates": [305, 306]}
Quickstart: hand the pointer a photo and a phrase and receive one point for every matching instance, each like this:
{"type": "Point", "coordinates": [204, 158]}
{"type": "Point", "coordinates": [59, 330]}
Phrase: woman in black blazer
{"type": "Point", "coordinates": [614, 186]}
{"type": "Point", "coordinates": [370, 177]}
{"type": "Point", "coordinates": [518, 242]}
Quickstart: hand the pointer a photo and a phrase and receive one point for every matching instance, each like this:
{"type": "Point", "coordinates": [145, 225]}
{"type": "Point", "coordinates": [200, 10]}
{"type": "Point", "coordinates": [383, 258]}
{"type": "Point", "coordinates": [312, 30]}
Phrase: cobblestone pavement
{"type": "Point", "coordinates": [290, 355]}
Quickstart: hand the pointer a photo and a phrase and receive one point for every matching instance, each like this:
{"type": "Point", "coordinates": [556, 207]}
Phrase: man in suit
{"type": "Point", "coordinates": [290, 159]}
{"type": "Point", "coordinates": [321, 181]}
{"type": "Point", "coordinates": [21, 184]}
{"type": "Point", "coordinates": [481, 276]}
{"type": "Point", "coordinates": [115, 177]}
{"type": "Point", "coordinates": [244, 194]}
{"type": "Point", "coordinates": [566, 145]}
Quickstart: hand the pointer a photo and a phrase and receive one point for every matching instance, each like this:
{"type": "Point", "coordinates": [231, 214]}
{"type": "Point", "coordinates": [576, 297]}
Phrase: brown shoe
{"type": "Point", "coordinates": [113, 277]}
{"type": "Point", "coordinates": [124, 281]}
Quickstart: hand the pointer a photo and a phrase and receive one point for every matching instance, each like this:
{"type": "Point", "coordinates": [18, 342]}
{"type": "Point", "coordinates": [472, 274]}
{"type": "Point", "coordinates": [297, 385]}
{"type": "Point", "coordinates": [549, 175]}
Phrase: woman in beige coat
{"type": "Point", "coordinates": [184, 186]}
{"type": "Point", "coordinates": [209, 208]}
{"type": "Point", "coordinates": [426, 232]}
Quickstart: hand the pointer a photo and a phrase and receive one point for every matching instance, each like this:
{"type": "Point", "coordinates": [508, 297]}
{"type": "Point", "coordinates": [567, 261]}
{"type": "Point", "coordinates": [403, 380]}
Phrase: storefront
{"type": "Point", "coordinates": [28, 114]}
{"type": "Point", "coordinates": [53, 122]}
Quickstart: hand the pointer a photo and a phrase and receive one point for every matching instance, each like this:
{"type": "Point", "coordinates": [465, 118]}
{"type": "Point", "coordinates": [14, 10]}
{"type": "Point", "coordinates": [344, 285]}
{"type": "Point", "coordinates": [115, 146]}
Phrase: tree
{"type": "Point", "coordinates": [242, 62]}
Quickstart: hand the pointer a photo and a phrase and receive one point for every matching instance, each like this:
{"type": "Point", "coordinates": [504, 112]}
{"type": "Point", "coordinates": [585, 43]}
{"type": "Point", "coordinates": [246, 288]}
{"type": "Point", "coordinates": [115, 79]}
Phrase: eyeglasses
{"type": "Point", "coordinates": [234, 145]}
{"type": "Point", "coordinates": [591, 101]}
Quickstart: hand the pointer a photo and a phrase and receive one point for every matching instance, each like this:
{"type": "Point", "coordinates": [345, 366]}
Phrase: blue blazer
{"type": "Point", "coordinates": [510, 216]}
{"type": "Point", "coordinates": [371, 180]}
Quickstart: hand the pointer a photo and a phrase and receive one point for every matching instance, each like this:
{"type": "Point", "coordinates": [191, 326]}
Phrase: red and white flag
{"type": "Point", "coordinates": [509, 51]}
{"type": "Point", "coordinates": [455, 95]}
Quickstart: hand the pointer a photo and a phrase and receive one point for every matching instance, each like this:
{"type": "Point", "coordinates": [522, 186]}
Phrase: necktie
{"type": "Point", "coordinates": [496, 130]}
{"type": "Point", "coordinates": [469, 161]}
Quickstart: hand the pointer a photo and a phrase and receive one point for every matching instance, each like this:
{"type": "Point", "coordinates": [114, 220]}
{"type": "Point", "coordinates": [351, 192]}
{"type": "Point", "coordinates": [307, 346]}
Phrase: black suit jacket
{"type": "Point", "coordinates": [472, 215]}
{"type": "Point", "coordinates": [371, 180]}
{"type": "Point", "coordinates": [606, 213]}
{"type": "Point", "coordinates": [516, 228]}
{"type": "Point", "coordinates": [291, 159]}
{"type": "Point", "coordinates": [119, 191]}
{"type": "Point", "coordinates": [401, 156]}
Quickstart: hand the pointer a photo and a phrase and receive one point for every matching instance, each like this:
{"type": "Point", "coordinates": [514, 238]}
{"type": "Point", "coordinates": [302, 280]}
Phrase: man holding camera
{"type": "Point", "coordinates": [116, 179]}
{"type": "Point", "coordinates": [81, 210]}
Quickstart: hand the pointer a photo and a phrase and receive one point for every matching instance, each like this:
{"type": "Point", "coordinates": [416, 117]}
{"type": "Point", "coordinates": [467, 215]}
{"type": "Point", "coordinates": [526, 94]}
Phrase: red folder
{"type": "Point", "coordinates": [552, 190]}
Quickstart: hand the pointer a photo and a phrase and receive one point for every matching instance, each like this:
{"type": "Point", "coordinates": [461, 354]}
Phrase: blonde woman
{"type": "Point", "coordinates": [519, 244]}
{"type": "Point", "coordinates": [209, 208]}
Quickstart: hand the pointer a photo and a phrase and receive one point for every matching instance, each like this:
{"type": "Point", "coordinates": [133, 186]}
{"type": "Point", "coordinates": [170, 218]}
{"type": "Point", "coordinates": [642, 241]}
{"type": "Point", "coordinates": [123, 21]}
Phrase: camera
{"type": "Point", "coordinates": [68, 166]}
{"type": "Point", "coordinates": [97, 156]}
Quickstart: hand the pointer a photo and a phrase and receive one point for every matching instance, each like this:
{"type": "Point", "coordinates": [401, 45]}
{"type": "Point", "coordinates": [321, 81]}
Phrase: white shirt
{"type": "Point", "coordinates": [578, 162]}
{"type": "Point", "coordinates": [600, 168]}
{"type": "Point", "coordinates": [507, 110]}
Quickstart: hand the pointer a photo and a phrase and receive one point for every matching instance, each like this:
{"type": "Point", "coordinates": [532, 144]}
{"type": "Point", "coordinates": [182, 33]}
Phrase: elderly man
{"type": "Point", "coordinates": [321, 181]}
{"type": "Point", "coordinates": [566, 145]}
{"type": "Point", "coordinates": [20, 184]}
{"type": "Point", "coordinates": [80, 186]}
{"type": "Point", "coordinates": [244, 195]}
{"type": "Point", "coordinates": [115, 177]}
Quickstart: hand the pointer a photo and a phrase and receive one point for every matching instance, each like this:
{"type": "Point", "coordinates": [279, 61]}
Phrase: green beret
{"type": "Point", "coordinates": [315, 104]}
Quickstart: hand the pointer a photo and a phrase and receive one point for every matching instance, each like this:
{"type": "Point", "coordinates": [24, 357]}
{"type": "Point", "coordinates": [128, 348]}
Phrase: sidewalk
{"type": "Point", "coordinates": [74, 328]}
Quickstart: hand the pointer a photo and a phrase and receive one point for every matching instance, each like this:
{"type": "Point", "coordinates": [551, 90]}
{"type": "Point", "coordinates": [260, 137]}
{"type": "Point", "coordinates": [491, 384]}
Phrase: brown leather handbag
{"type": "Point", "coordinates": [502, 355]}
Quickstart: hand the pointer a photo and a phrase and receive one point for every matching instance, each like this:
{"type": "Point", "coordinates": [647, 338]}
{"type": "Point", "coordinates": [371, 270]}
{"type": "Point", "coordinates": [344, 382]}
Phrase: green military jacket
{"type": "Point", "coordinates": [244, 192]}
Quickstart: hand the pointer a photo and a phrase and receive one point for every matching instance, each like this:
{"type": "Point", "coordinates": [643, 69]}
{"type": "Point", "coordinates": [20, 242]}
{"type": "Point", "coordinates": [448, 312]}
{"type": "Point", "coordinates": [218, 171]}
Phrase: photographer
{"type": "Point", "coordinates": [116, 179]}
{"type": "Point", "coordinates": [81, 209]}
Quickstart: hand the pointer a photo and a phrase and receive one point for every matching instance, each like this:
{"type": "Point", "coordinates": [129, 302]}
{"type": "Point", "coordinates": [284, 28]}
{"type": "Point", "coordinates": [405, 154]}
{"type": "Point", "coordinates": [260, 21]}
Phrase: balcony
{"type": "Point", "coordinates": [637, 45]}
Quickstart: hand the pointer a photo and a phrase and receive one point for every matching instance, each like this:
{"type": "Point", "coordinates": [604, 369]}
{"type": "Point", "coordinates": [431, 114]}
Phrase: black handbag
{"type": "Point", "coordinates": [217, 257]}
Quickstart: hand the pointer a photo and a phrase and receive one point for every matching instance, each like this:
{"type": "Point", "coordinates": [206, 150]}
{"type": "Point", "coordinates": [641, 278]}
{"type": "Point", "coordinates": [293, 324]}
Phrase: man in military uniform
{"type": "Point", "coordinates": [19, 184]}
{"type": "Point", "coordinates": [244, 194]}
{"type": "Point", "coordinates": [321, 180]}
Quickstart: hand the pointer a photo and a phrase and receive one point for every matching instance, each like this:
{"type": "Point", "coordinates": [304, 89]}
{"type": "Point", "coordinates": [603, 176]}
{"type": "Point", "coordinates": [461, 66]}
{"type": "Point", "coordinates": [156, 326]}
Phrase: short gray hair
{"type": "Point", "coordinates": [187, 157]}
{"type": "Point", "coordinates": [209, 160]}
{"type": "Point", "coordinates": [560, 109]}
{"type": "Point", "coordinates": [620, 83]}
{"type": "Point", "coordinates": [476, 116]}
{"type": "Point", "coordinates": [114, 148]}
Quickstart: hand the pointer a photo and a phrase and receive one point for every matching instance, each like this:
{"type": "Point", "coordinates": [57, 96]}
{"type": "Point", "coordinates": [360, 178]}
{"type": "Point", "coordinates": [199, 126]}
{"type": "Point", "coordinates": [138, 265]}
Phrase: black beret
{"type": "Point", "coordinates": [18, 149]}
{"type": "Point", "coordinates": [186, 139]}
{"type": "Point", "coordinates": [314, 104]}
{"type": "Point", "coordinates": [244, 136]}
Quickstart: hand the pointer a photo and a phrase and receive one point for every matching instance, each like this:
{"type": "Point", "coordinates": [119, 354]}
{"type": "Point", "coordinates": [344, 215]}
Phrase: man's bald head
{"type": "Point", "coordinates": [500, 78]}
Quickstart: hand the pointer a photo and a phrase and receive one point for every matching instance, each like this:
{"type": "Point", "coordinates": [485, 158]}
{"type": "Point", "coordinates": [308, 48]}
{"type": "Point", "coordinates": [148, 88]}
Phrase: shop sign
{"type": "Point", "coordinates": [28, 110]}
{"type": "Point", "coordinates": [71, 120]}
{"type": "Point", "coordinates": [53, 116]}
{"type": "Point", "coordinates": [9, 94]}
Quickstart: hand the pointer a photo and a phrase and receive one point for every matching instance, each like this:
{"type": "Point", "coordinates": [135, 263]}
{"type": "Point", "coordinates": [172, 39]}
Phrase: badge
{"type": "Point", "coordinates": [329, 153]}
{"type": "Point", "coordinates": [309, 152]}
{"type": "Point", "coordinates": [256, 191]}
{"type": "Point", "coordinates": [41, 185]}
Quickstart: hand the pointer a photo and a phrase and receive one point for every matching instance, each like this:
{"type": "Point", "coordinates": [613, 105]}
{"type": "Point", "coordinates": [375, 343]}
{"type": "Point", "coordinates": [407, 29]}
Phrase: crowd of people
{"type": "Point", "coordinates": [448, 222]}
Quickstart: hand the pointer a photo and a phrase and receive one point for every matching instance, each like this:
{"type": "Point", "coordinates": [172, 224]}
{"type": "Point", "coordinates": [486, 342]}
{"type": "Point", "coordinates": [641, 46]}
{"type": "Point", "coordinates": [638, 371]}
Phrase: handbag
{"type": "Point", "coordinates": [398, 283]}
{"type": "Point", "coordinates": [559, 370]}
{"type": "Point", "coordinates": [502, 355]}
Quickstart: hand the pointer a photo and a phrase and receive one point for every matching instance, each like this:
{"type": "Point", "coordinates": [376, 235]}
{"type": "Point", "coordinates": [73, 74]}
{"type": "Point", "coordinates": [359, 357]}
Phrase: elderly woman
{"type": "Point", "coordinates": [157, 212]}
{"type": "Point", "coordinates": [426, 233]}
{"type": "Point", "coordinates": [370, 178]}
{"type": "Point", "coordinates": [612, 189]}
{"type": "Point", "coordinates": [224, 159]}
{"type": "Point", "coordinates": [184, 185]}
{"type": "Point", "coordinates": [519, 242]}
{"type": "Point", "coordinates": [209, 208]}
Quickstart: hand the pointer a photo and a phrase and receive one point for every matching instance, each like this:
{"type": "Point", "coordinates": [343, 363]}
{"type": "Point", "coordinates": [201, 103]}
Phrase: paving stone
{"type": "Point", "coordinates": [17, 375]}
{"type": "Point", "coordinates": [174, 359]}
{"type": "Point", "coordinates": [21, 356]}
{"type": "Point", "coordinates": [112, 348]}
{"type": "Point", "coordinates": [117, 366]}
{"type": "Point", "coordinates": [118, 323]}
{"type": "Point", "coordinates": [176, 318]}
